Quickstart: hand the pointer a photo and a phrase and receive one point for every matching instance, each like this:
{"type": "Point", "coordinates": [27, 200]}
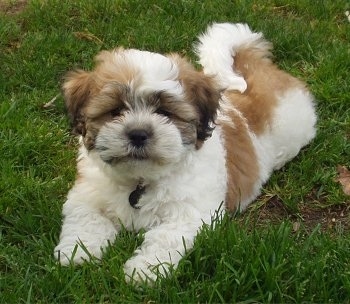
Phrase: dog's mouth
{"type": "Point", "coordinates": [132, 157]}
{"type": "Point", "coordinates": [128, 153]}
{"type": "Point", "coordinates": [139, 156]}
{"type": "Point", "coordinates": [137, 153]}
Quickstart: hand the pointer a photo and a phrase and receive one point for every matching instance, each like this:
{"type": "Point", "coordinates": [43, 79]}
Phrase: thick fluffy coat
{"type": "Point", "coordinates": [163, 145]}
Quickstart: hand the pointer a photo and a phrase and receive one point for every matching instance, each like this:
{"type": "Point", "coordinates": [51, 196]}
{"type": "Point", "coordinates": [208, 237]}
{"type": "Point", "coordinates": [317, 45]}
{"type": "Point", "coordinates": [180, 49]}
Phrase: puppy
{"type": "Point", "coordinates": [162, 145]}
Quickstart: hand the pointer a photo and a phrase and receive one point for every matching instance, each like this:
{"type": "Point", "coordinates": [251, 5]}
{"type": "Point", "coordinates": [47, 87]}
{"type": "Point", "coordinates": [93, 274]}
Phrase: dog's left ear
{"type": "Point", "coordinates": [202, 92]}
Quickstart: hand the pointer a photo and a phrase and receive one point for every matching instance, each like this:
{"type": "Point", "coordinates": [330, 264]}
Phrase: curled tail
{"type": "Point", "coordinates": [219, 45]}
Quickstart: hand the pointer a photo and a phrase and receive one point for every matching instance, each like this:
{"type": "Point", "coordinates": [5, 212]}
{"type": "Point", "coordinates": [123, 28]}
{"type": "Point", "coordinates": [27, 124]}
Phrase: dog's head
{"type": "Point", "coordinates": [137, 105]}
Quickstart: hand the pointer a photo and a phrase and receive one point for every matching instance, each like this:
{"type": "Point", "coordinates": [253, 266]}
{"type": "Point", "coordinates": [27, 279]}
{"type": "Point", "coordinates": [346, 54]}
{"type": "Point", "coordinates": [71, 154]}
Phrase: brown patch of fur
{"type": "Point", "coordinates": [105, 71]}
{"type": "Point", "coordinates": [174, 108]}
{"type": "Point", "coordinates": [77, 90]}
{"type": "Point", "coordinates": [182, 114]}
{"type": "Point", "coordinates": [80, 86]}
{"type": "Point", "coordinates": [201, 91]}
{"type": "Point", "coordinates": [241, 161]}
{"type": "Point", "coordinates": [264, 82]}
{"type": "Point", "coordinates": [87, 105]}
{"type": "Point", "coordinates": [108, 101]}
{"type": "Point", "coordinates": [86, 114]}
{"type": "Point", "coordinates": [105, 106]}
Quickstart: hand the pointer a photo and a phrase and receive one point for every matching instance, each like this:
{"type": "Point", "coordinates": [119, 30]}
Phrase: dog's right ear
{"type": "Point", "coordinates": [77, 90]}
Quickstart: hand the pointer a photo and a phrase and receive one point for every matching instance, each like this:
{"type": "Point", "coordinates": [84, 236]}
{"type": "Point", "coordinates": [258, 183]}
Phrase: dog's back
{"type": "Point", "coordinates": [277, 107]}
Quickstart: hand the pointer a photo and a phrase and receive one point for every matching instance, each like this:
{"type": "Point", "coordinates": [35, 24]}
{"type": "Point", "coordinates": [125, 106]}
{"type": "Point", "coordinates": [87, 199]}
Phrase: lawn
{"type": "Point", "coordinates": [292, 245]}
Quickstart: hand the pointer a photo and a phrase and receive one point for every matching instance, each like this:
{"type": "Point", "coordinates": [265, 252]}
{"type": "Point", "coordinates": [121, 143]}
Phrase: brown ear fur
{"type": "Point", "coordinates": [77, 89]}
{"type": "Point", "coordinates": [202, 92]}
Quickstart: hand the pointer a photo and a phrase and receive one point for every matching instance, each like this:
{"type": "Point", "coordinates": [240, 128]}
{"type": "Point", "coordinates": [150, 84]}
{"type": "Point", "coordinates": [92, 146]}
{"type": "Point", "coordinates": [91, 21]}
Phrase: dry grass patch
{"type": "Point", "coordinates": [310, 215]}
{"type": "Point", "coordinates": [12, 7]}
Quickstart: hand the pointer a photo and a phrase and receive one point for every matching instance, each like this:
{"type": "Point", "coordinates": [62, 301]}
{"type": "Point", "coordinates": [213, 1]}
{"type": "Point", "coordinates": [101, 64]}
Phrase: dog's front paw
{"type": "Point", "coordinates": [140, 269]}
{"type": "Point", "coordinates": [74, 253]}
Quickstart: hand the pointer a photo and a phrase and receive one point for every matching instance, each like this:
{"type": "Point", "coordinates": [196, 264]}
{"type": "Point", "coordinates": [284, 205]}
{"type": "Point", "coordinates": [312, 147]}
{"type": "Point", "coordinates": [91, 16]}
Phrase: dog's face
{"type": "Point", "coordinates": [138, 106]}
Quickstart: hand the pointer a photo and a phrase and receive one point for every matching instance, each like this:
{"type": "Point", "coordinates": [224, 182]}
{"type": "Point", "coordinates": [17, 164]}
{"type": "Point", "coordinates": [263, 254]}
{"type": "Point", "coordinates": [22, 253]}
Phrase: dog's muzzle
{"type": "Point", "coordinates": [135, 147]}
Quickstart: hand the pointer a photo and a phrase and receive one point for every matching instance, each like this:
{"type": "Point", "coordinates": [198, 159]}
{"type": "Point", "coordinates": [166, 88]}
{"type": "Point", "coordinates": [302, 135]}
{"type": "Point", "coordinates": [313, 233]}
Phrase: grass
{"type": "Point", "coordinates": [292, 245]}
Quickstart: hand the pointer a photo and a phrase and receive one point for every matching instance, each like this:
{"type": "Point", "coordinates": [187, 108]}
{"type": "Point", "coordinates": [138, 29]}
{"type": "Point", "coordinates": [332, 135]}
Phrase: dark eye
{"type": "Point", "coordinates": [163, 112]}
{"type": "Point", "coordinates": [115, 112]}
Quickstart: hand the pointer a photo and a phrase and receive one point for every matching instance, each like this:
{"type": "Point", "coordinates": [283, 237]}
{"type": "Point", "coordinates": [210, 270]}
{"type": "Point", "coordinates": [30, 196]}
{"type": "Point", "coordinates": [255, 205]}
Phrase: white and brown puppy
{"type": "Point", "coordinates": [163, 145]}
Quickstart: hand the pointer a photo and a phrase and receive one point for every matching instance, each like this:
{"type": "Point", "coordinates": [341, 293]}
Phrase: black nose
{"type": "Point", "coordinates": [138, 138]}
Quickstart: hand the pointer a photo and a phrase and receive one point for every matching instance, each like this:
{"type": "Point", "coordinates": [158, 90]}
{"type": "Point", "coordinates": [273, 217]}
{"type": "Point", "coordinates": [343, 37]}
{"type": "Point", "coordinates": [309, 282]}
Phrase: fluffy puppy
{"type": "Point", "coordinates": [163, 145]}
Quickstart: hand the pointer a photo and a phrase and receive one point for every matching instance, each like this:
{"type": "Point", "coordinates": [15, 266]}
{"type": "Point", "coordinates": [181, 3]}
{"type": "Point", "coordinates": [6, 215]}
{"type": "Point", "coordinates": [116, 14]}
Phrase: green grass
{"type": "Point", "coordinates": [259, 256]}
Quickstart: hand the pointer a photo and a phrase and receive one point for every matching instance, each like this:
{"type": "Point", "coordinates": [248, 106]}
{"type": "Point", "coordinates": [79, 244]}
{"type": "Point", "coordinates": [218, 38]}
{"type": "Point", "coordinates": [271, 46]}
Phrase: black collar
{"type": "Point", "coordinates": [135, 195]}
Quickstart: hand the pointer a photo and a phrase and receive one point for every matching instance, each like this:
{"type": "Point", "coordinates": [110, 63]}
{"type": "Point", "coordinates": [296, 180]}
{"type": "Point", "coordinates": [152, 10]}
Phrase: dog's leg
{"type": "Point", "coordinates": [85, 232]}
{"type": "Point", "coordinates": [163, 247]}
